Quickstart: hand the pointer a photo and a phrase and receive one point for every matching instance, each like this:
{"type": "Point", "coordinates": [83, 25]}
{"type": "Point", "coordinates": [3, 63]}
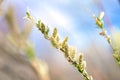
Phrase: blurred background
{"type": "Point", "coordinates": [73, 19]}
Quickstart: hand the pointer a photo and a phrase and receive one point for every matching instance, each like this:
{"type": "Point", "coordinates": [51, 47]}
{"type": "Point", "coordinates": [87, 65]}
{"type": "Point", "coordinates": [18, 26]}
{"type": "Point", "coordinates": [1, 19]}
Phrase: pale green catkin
{"type": "Point", "coordinates": [100, 23]}
{"type": "Point", "coordinates": [64, 47]}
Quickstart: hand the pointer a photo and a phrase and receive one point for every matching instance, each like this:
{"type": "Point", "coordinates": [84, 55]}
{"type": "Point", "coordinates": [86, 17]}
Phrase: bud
{"type": "Point", "coordinates": [46, 32]}
{"type": "Point", "coordinates": [108, 39]}
{"type": "Point", "coordinates": [67, 50]}
{"type": "Point", "coordinates": [54, 42]}
{"type": "Point", "coordinates": [38, 24]}
{"type": "Point", "coordinates": [28, 15]}
{"type": "Point", "coordinates": [58, 38]}
{"type": "Point", "coordinates": [84, 64]}
{"type": "Point", "coordinates": [73, 52]}
{"type": "Point", "coordinates": [42, 28]}
{"type": "Point", "coordinates": [65, 41]}
{"type": "Point", "coordinates": [81, 58]}
{"type": "Point", "coordinates": [55, 32]}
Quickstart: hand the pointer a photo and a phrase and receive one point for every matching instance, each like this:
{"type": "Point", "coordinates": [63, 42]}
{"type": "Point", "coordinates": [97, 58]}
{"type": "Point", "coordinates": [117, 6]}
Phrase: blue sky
{"type": "Point", "coordinates": [72, 17]}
